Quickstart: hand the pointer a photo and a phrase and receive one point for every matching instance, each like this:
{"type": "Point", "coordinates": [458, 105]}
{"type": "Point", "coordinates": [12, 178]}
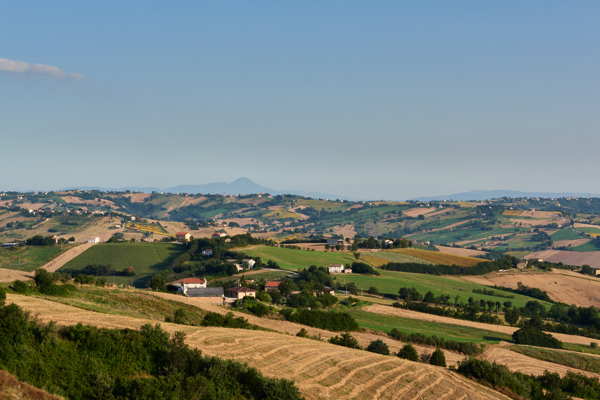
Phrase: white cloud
{"type": "Point", "coordinates": [22, 67]}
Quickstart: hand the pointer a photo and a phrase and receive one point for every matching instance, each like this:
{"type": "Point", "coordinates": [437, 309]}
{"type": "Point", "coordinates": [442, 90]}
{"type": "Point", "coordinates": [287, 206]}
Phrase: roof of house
{"type": "Point", "coordinates": [336, 265]}
{"type": "Point", "coordinates": [272, 284]}
{"type": "Point", "coordinates": [240, 290]}
{"type": "Point", "coordinates": [181, 233]}
{"type": "Point", "coordinates": [205, 292]}
{"type": "Point", "coordinates": [189, 281]}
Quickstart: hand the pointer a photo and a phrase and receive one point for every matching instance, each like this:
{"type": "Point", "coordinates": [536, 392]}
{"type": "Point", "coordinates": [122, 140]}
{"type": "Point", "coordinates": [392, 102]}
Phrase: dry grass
{"type": "Point", "coordinates": [320, 370]}
{"type": "Point", "coordinates": [461, 252]}
{"type": "Point", "coordinates": [561, 285]}
{"type": "Point", "coordinates": [415, 212]}
{"type": "Point", "coordinates": [13, 389]}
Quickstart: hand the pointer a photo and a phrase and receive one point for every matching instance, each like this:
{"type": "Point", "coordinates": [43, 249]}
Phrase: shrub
{"type": "Point", "coordinates": [21, 287]}
{"type": "Point", "coordinates": [363, 268]}
{"type": "Point", "coordinates": [535, 337]}
{"type": "Point", "coordinates": [379, 346]}
{"type": "Point", "coordinates": [227, 321]}
{"type": "Point", "coordinates": [330, 320]}
{"type": "Point", "coordinates": [345, 339]}
{"type": "Point", "coordinates": [408, 352]}
{"type": "Point", "coordinates": [302, 333]}
{"type": "Point", "coordinates": [2, 296]}
{"type": "Point", "coordinates": [438, 358]}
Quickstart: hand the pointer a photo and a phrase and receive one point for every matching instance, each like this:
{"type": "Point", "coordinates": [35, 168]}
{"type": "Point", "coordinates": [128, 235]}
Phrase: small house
{"type": "Point", "coordinates": [250, 263]}
{"type": "Point", "coordinates": [183, 237]}
{"type": "Point", "coordinates": [272, 285]}
{"type": "Point", "coordinates": [336, 269]}
{"type": "Point", "coordinates": [207, 252]}
{"type": "Point", "coordinates": [183, 285]}
{"type": "Point", "coordinates": [240, 292]}
{"type": "Point", "coordinates": [335, 241]}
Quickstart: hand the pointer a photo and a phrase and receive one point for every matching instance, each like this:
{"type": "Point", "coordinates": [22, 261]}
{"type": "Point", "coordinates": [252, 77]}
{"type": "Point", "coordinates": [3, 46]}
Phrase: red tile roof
{"type": "Point", "coordinates": [190, 280]}
{"type": "Point", "coordinates": [272, 284]}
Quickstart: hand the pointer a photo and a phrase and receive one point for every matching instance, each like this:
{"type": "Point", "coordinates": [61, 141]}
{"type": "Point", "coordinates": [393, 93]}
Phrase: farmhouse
{"type": "Point", "coordinates": [183, 236]}
{"type": "Point", "coordinates": [250, 263]}
{"type": "Point", "coordinates": [205, 292]}
{"type": "Point", "coordinates": [336, 269]}
{"type": "Point", "coordinates": [219, 235]}
{"type": "Point", "coordinates": [240, 292]}
{"type": "Point", "coordinates": [335, 241]}
{"type": "Point", "coordinates": [272, 285]}
{"type": "Point", "coordinates": [183, 285]}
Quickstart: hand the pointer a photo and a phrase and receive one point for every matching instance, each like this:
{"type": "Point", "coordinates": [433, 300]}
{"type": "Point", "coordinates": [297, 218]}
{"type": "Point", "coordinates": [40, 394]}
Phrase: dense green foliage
{"type": "Point", "coordinates": [330, 320]}
{"type": "Point", "coordinates": [408, 352]}
{"type": "Point", "coordinates": [363, 268]}
{"type": "Point", "coordinates": [345, 339]}
{"type": "Point", "coordinates": [82, 362]}
{"type": "Point", "coordinates": [378, 346]}
{"type": "Point", "coordinates": [536, 337]}
{"type": "Point", "coordinates": [528, 291]}
{"type": "Point", "coordinates": [438, 358]}
{"type": "Point", "coordinates": [546, 387]}
{"type": "Point", "coordinates": [504, 262]}
{"type": "Point", "coordinates": [468, 348]}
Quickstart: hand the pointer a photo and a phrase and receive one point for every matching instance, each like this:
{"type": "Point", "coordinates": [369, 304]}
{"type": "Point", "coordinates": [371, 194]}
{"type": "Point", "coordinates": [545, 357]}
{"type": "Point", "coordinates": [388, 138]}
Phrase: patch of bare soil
{"type": "Point", "coordinates": [346, 231]}
{"type": "Point", "coordinates": [567, 257]}
{"type": "Point", "coordinates": [96, 202]}
{"type": "Point", "coordinates": [11, 275]}
{"type": "Point", "coordinates": [563, 286]}
{"type": "Point", "coordinates": [320, 370]}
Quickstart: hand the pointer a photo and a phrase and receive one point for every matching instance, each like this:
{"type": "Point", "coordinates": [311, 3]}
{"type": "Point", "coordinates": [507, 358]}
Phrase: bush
{"type": "Point", "coordinates": [468, 348]}
{"type": "Point", "coordinates": [227, 321]}
{"type": "Point", "coordinates": [345, 339]}
{"type": "Point", "coordinates": [21, 287]}
{"type": "Point", "coordinates": [302, 333]}
{"type": "Point", "coordinates": [363, 268]}
{"type": "Point", "coordinates": [438, 358]}
{"type": "Point", "coordinates": [2, 296]}
{"type": "Point", "coordinates": [408, 352]}
{"type": "Point", "coordinates": [330, 320]}
{"type": "Point", "coordinates": [379, 346]}
{"type": "Point", "coordinates": [253, 306]}
{"type": "Point", "coordinates": [535, 337]}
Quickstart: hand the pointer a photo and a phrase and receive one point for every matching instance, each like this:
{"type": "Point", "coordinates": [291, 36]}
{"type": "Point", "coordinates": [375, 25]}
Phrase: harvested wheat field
{"type": "Point", "coordinates": [400, 312]}
{"type": "Point", "coordinates": [460, 251]}
{"type": "Point", "coordinates": [13, 389]}
{"type": "Point", "coordinates": [438, 257]}
{"type": "Point", "coordinates": [561, 285]}
{"type": "Point", "coordinates": [320, 370]}
{"type": "Point", "coordinates": [415, 212]}
{"type": "Point", "coordinates": [577, 258]}
{"type": "Point", "coordinates": [528, 365]}
{"type": "Point", "coordinates": [11, 275]}
{"type": "Point", "coordinates": [291, 328]}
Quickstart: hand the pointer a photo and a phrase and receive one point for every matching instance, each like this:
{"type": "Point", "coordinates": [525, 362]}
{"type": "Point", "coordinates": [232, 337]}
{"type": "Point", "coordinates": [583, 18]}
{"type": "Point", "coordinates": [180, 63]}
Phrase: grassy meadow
{"type": "Point", "coordinates": [294, 259]}
{"type": "Point", "coordinates": [385, 323]}
{"type": "Point", "coordinates": [390, 282]}
{"type": "Point", "coordinates": [29, 258]}
{"type": "Point", "coordinates": [573, 360]}
{"type": "Point", "coordinates": [146, 258]}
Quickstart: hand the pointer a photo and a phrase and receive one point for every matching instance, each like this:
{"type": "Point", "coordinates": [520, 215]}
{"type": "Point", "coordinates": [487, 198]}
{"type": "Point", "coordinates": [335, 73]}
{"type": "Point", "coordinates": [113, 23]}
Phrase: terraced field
{"type": "Point", "coordinates": [321, 370]}
{"type": "Point", "coordinates": [295, 259]}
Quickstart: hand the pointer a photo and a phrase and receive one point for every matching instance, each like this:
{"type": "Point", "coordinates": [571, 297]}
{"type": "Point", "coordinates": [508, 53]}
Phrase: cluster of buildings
{"type": "Point", "coordinates": [198, 287]}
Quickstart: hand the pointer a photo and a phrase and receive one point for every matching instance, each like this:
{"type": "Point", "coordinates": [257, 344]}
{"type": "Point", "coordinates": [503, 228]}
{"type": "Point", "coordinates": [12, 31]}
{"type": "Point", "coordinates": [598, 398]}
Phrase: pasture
{"type": "Point", "coordinates": [146, 258]}
{"type": "Point", "coordinates": [389, 282]}
{"type": "Point", "coordinates": [29, 258]}
{"type": "Point", "coordinates": [294, 259]}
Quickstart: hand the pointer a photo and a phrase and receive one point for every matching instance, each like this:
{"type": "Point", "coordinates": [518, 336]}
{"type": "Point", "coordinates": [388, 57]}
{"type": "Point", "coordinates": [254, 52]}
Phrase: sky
{"type": "Point", "coordinates": [380, 100]}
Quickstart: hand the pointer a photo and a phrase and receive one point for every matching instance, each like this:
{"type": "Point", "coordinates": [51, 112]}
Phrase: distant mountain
{"type": "Point", "coordinates": [479, 195]}
{"type": "Point", "coordinates": [239, 186]}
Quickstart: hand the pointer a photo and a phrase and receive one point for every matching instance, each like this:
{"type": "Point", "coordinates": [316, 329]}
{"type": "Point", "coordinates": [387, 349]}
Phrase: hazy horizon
{"type": "Point", "coordinates": [379, 101]}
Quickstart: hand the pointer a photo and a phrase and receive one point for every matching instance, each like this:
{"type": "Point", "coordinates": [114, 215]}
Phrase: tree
{"type": "Point", "coordinates": [408, 352]}
{"type": "Point", "coordinates": [158, 282]}
{"type": "Point", "coordinates": [345, 339]}
{"type": "Point", "coordinates": [302, 333]}
{"type": "Point", "coordinates": [43, 278]}
{"type": "Point", "coordinates": [511, 315]}
{"type": "Point", "coordinates": [379, 346]}
{"type": "Point", "coordinates": [373, 290]}
{"type": "Point", "coordinates": [534, 336]}
{"type": "Point", "coordinates": [438, 358]}
{"type": "Point", "coordinates": [2, 296]}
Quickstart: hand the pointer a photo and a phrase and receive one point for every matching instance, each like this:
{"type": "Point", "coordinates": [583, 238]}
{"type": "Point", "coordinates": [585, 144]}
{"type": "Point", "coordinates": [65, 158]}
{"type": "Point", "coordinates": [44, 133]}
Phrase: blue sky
{"type": "Point", "coordinates": [369, 99]}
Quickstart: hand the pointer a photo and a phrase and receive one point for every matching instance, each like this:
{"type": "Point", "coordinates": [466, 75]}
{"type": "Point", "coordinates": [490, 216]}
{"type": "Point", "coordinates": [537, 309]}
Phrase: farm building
{"type": "Point", "coordinates": [250, 263]}
{"type": "Point", "coordinates": [240, 292]}
{"type": "Point", "coordinates": [335, 241]}
{"type": "Point", "coordinates": [183, 236]}
{"type": "Point", "coordinates": [205, 292]}
{"type": "Point", "coordinates": [272, 285]}
{"type": "Point", "coordinates": [336, 269]}
{"type": "Point", "coordinates": [219, 235]}
{"type": "Point", "coordinates": [183, 285]}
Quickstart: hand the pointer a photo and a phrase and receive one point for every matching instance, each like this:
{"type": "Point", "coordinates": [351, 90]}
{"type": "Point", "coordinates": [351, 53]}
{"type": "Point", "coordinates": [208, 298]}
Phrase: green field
{"type": "Point", "coordinates": [397, 257]}
{"type": "Point", "coordinates": [566, 234]}
{"type": "Point", "coordinates": [391, 281]}
{"type": "Point", "coordinates": [589, 246]}
{"type": "Point", "coordinates": [294, 259]}
{"type": "Point", "coordinates": [385, 323]}
{"type": "Point", "coordinates": [28, 258]}
{"type": "Point", "coordinates": [146, 258]}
